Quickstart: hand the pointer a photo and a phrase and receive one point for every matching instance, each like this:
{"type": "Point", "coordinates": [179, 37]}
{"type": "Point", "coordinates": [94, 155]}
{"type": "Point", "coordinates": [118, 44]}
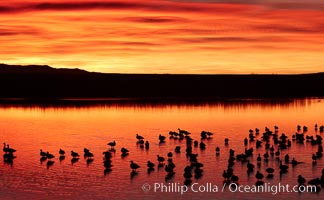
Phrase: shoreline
{"type": "Point", "coordinates": [143, 102]}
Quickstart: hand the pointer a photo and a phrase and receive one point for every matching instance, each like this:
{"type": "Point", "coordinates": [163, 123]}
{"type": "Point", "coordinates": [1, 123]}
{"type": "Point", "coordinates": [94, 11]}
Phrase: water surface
{"type": "Point", "coordinates": [29, 128]}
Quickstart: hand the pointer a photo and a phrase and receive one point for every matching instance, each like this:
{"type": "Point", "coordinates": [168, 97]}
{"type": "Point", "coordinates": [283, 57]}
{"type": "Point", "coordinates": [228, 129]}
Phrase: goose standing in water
{"type": "Point", "coordinates": [277, 153]}
{"type": "Point", "coordinates": [85, 150]}
{"type": "Point", "coordinates": [270, 172]}
{"type": "Point", "coordinates": [209, 134]}
{"type": "Point", "coordinates": [162, 138]}
{"type": "Point", "coordinates": [42, 153]}
{"type": "Point", "coordinates": [217, 150]}
{"type": "Point", "coordinates": [7, 149]}
{"type": "Point", "coordinates": [170, 154]}
{"type": "Point", "coordinates": [139, 137]}
{"type": "Point", "coordinates": [250, 167]}
{"type": "Point", "coordinates": [10, 150]}
{"type": "Point", "coordinates": [74, 154]}
{"type": "Point", "coordinates": [301, 180]}
{"type": "Point", "coordinates": [112, 144]}
{"type": "Point", "coordinates": [283, 168]}
{"type": "Point", "coordinates": [234, 178]}
{"type": "Point", "coordinates": [183, 132]}
{"type": "Point", "coordinates": [88, 155]}
{"type": "Point", "coordinates": [287, 158]}
{"type": "Point", "coordinates": [226, 141]}
{"type": "Point", "coordinates": [259, 159]}
{"type": "Point", "coordinates": [62, 155]}
{"type": "Point", "coordinates": [160, 159]}
{"type": "Point", "coordinates": [147, 145]}
{"type": "Point", "coordinates": [49, 156]}
{"type": "Point", "coordinates": [259, 175]}
{"type": "Point", "coordinates": [134, 166]}
{"type": "Point", "coordinates": [202, 145]}
{"type": "Point", "coordinates": [124, 152]}
{"type": "Point", "coordinates": [61, 152]}
{"type": "Point", "coordinates": [150, 165]}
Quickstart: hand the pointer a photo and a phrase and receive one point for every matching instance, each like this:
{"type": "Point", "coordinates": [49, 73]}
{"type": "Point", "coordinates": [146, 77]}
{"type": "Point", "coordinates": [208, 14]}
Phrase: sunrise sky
{"type": "Point", "coordinates": [164, 36]}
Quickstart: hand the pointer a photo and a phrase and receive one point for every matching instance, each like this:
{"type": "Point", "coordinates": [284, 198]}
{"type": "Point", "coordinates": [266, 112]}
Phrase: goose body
{"type": "Point", "coordinates": [301, 180]}
{"type": "Point", "coordinates": [161, 138]}
{"type": "Point", "coordinates": [61, 152]}
{"type": "Point", "coordinates": [139, 137]}
{"type": "Point", "coordinates": [88, 154]}
{"type": "Point", "coordinates": [7, 149]}
{"type": "Point", "coordinates": [74, 154]}
{"type": "Point", "coordinates": [112, 144]}
{"type": "Point", "coordinates": [160, 159]}
{"type": "Point", "coordinates": [134, 166]}
{"type": "Point", "coordinates": [150, 164]}
{"type": "Point", "coordinates": [270, 170]}
{"type": "Point", "coordinates": [124, 150]}
{"type": "Point", "coordinates": [259, 175]}
{"type": "Point", "coordinates": [49, 156]}
{"type": "Point", "coordinates": [42, 153]}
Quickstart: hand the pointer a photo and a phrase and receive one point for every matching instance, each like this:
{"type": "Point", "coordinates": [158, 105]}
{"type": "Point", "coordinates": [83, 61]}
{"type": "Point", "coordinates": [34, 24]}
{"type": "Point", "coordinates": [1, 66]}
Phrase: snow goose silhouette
{"type": "Point", "coordinates": [134, 166]}
{"type": "Point", "coordinates": [112, 144]}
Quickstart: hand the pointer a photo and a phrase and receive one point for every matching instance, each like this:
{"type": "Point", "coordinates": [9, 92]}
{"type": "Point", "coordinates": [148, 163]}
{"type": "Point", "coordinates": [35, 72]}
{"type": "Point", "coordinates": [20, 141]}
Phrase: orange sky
{"type": "Point", "coordinates": [164, 36]}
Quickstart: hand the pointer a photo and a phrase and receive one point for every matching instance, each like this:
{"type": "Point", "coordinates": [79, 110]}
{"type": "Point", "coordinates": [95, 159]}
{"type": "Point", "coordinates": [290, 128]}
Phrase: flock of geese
{"type": "Point", "coordinates": [274, 145]}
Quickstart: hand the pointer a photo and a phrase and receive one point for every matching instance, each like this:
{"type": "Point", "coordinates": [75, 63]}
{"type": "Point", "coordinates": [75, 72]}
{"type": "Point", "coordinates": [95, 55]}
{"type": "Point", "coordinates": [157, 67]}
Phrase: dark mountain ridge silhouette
{"type": "Point", "coordinates": [36, 69]}
{"type": "Point", "coordinates": [45, 82]}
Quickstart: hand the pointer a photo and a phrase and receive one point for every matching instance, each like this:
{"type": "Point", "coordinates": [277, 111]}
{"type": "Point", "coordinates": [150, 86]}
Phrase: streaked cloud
{"type": "Point", "coordinates": [165, 36]}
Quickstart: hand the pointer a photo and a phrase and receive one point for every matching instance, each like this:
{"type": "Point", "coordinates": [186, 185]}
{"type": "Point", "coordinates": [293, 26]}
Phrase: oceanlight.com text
{"type": "Point", "coordinates": [231, 187]}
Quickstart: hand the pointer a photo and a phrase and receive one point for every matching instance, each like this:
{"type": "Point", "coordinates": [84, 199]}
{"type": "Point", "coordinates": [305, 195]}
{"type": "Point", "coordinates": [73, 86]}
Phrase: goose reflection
{"type": "Point", "coordinates": [125, 152]}
{"type": "Point", "coordinates": [50, 163]}
{"type": "Point", "coordinates": [107, 171]}
{"type": "Point", "coordinates": [42, 159]}
{"type": "Point", "coordinates": [74, 160]}
{"type": "Point", "coordinates": [61, 158]}
{"type": "Point", "coordinates": [89, 161]}
{"type": "Point", "coordinates": [8, 158]}
{"type": "Point", "coordinates": [150, 170]}
{"type": "Point", "coordinates": [133, 174]}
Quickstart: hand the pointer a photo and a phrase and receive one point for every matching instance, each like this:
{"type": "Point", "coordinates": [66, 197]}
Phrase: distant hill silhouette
{"type": "Point", "coordinates": [36, 69]}
{"type": "Point", "coordinates": [45, 82]}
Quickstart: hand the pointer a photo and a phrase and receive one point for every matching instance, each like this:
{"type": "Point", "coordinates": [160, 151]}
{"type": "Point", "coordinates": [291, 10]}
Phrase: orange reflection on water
{"type": "Point", "coordinates": [29, 129]}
